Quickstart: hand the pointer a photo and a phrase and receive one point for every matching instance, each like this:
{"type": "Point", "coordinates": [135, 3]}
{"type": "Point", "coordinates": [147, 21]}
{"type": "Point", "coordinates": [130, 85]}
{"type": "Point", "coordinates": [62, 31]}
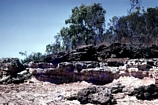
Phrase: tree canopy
{"type": "Point", "coordinates": [139, 27]}
{"type": "Point", "coordinates": [86, 25]}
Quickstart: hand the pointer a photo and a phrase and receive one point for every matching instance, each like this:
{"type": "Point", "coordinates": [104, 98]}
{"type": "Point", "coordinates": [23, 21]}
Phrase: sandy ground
{"type": "Point", "coordinates": [36, 92]}
{"type": "Point", "coordinates": [39, 93]}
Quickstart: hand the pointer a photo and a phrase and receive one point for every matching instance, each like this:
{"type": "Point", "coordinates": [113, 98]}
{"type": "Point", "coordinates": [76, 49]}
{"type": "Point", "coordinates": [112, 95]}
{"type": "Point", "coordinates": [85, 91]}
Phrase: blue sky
{"type": "Point", "coordinates": [29, 25]}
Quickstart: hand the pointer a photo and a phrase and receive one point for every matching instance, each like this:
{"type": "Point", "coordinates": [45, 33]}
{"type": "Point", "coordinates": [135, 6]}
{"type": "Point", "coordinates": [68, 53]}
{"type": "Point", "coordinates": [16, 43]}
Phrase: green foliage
{"type": "Point", "coordinates": [86, 25]}
{"type": "Point", "coordinates": [139, 27]}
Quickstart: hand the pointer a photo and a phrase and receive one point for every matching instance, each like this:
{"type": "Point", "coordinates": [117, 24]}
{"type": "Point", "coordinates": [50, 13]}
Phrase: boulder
{"type": "Point", "coordinates": [146, 92]}
{"type": "Point", "coordinates": [96, 95]}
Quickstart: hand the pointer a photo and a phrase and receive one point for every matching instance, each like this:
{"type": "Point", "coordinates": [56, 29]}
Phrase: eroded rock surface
{"type": "Point", "coordinates": [10, 66]}
{"type": "Point", "coordinates": [12, 71]}
{"type": "Point", "coordinates": [146, 92]}
{"type": "Point", "coordinates": [115, 50]}
{"type": "Point", "coordinates": [96, 95]}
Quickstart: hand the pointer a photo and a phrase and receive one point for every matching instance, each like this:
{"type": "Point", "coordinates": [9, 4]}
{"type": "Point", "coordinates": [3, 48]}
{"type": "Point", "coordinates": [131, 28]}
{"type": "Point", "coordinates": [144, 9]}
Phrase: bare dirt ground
{"type": "Point", "coordinates": [34, 92]}
{"type": "Point", "coordinates": [39, 93]}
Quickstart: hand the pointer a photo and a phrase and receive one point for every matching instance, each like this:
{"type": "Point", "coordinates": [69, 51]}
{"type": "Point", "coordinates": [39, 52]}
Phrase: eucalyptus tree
{"type": "Point", "coordinates": [87, 22]}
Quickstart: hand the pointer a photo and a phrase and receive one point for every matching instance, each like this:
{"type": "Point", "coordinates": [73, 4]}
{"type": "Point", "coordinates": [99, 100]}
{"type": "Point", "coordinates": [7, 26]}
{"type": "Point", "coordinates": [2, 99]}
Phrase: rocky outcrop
{"type": "Point", "coordinates": [96, 72]}
{"type": "Point", "coordinates": [10, 66]}
{"type": "Point", "coordinates": [102, 52]}
{"type": "Point", "coordinates": [82, 53]}
{"type": "Point", "coordinates": [98, 65]}
{"type": "Point", "coordinates": [119, 50]}
{"type": "Point", "coordinates": [12, 71]}
{"type": "Point", "coordinates": [91, 71]}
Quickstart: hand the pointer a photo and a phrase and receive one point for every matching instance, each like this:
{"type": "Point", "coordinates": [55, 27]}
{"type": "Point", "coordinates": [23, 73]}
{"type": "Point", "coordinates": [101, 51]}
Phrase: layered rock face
{"type": "Point", "coordinates": [97, 72]}
{"type": "Point", "coordinates": [61, 76]}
